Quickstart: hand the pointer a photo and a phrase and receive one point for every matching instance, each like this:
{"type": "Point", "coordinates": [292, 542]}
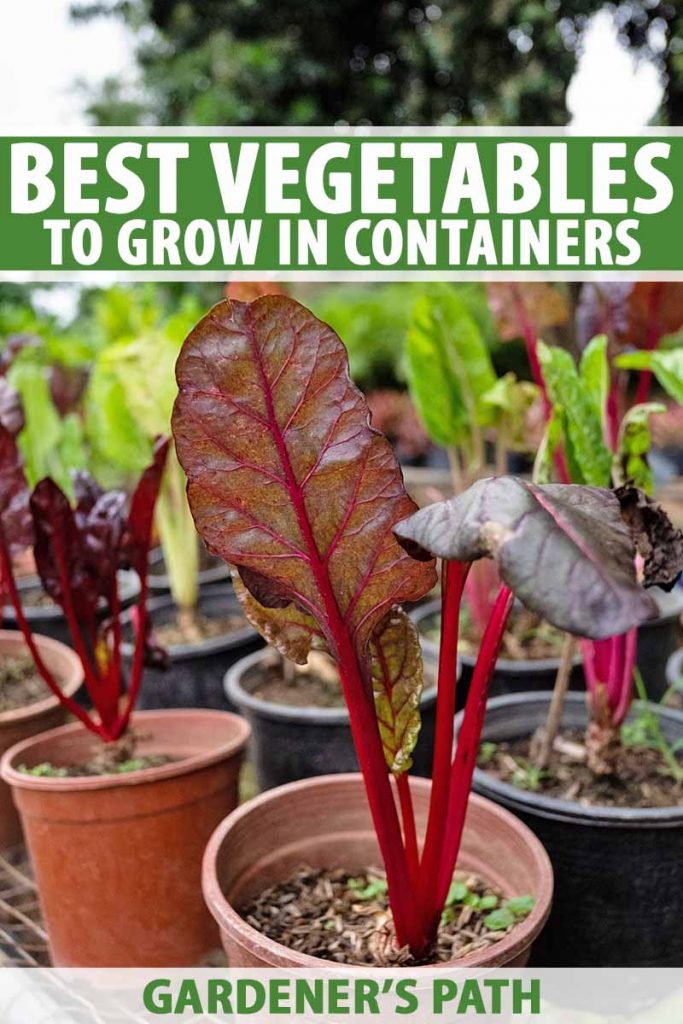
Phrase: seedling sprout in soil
{"type": "Point", "coordinates": [289, 483]}
{"type": "Point", "coordinates": [79, 551]}
{"type": "Point", "coordinates": [593, 437]}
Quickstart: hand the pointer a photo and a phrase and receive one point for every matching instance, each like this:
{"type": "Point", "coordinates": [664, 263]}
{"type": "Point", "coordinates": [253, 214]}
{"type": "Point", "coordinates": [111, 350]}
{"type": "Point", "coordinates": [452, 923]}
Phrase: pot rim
{"type": "Point", "coordinates": [129, 588]}
{"type": "Point", "coordinates": [48, 703]}
{"type": "Point", "coordinates": [570, 811]}
{"type": "Point", "coordinates": [510, 666]}
{"type": "Point", "coordinates": [524, 933]}
{"type": "Point", "coordinates": [212, 645]}
{"type": "Point", "coordinates": [303, 715]}
{"type": "Point", "coordinates": [143, 776]}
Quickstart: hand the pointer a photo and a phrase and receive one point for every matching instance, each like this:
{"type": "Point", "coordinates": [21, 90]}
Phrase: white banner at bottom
{"type": "Point", "coordinates": [340, 996]}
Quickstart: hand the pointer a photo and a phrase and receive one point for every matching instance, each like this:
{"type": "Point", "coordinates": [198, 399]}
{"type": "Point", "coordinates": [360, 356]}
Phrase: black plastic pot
{"type": "Point", "coordinates": [159, 582]}
{"type": "Point", "coordinates": [509, 677]}
{"type": "Point", "coordinates": [658, 639]}
{"type": "Point", "coordinates": [618, 871]}
{"type": "Point", "coordinates": [195, 676]}
{"type": "Point", "coordinates": [290, 743]}
{"type": "Point", "coordinates": [49, 620]}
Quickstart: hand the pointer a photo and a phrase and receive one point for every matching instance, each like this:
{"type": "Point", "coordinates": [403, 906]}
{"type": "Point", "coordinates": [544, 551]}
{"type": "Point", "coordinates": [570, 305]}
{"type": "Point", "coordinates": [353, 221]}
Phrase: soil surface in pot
{"type": "Point", "coordinates": [528, 638]}
{"type": "Point", "coordinates": [641, 778]}
{"type": "Point", "coordinates": [192, 627]}
{"type": "Point", "coordinates": [20, 684]}
{"type": "Point", "coordinates": [345, 918]}
{"type": "Point", "coordinates": [118, 758]}
{"type": "Point", "coordinates": [308, 688]}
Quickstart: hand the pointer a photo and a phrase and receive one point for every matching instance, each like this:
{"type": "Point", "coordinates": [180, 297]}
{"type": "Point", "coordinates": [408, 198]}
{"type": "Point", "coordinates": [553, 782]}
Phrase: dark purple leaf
{"type": "Point", "coordinates": [15, 514]}
{"type": "Point", "coordinates": [64, 566]}
{"type": "Point", "coordinates": [13, 346]}
{"type": "Point", "coordinates": [137, 538]}
{"type": "Point", "coordinates": [11, 408]}
{"type": "Point", "coordinates": [563, 549]}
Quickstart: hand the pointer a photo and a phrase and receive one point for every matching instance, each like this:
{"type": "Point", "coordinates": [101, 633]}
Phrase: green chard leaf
{"type": "Point", "coordinates": [594, 373]}
{"type": "Point", "coordinates": [666, 364]}
{"type": "Point", "coordinates": [589, 457]}
{"type": "Point", "coordinates": [448, 367]}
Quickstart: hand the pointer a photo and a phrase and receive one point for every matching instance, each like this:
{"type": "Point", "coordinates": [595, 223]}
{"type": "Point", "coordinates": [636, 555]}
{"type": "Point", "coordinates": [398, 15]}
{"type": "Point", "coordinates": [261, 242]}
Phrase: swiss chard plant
{"type": "Point", "coordinates": [477, 417]}
{"type": "Point", "coordinates": [291, 485]}
{"type": "Point", "coordinates": [130, 399]}
{"type": "Point", "coordinates": [79, 550]}
{"type": "Point", "coordinates": [593, 438]}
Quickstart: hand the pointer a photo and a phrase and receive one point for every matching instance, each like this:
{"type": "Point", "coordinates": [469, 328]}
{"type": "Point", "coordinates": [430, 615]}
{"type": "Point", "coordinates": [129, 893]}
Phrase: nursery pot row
{"type": "Point", "coordinates": [117, 857]}
{"type": "Point", "coordinates": [618, 871]}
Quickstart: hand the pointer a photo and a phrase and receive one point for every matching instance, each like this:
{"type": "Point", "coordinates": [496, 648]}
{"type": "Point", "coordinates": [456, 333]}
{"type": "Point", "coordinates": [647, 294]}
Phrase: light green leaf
{"type": "Point", "coordinates": [594, 373]}
{"type": "Point", "coordinates": [630, 460]}
{"type": "Point", "coordinates": [50, 446]}
{"type": "Point", "coordinates": [448, 367]}
{"type": "Point", "coordinates": [551, 442]}
{"type": "Point", "coordinates": [666, 364]}
{"type": "Point", "coordinates": [589, 458]}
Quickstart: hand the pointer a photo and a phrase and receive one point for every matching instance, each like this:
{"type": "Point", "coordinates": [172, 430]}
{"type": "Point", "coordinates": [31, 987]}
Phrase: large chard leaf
{"type": "Point", "coordinates": [286, 479]}
{"type": "Point", "coordinates": [666, 364]}
{"type": "Point", "coordinates": [575, 397]}
{"type": "Point", "coordinates": [565, 550]}
{"type": "Point", "coordinates": [448, 366]}
{"type": "Point", "coordinates": [397, 684]}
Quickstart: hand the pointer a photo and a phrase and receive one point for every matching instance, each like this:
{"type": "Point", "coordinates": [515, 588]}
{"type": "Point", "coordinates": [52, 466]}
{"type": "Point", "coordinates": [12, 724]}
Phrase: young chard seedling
{"type": "Point", "coordinates": [78, 552]}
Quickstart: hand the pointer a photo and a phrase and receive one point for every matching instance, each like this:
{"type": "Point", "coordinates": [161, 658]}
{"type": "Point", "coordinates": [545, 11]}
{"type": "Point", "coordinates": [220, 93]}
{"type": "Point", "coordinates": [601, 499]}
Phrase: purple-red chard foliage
{"type": "Point", "coordinates": [289, 483]}
{"type": "Point", "coordinates": [79, 550]}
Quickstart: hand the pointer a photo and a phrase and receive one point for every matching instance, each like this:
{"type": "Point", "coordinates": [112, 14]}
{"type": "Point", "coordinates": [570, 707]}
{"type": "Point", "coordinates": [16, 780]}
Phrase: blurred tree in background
{"type": "Point", "coordinates": [394, 62]}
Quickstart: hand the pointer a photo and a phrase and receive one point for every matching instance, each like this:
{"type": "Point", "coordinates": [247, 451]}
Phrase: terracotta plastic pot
{"type": "Point", "coordinates": [325, 823]}
{"type": "Point", "coordinates": [194, 678]}
{"type": "Point", "coordinates": [510, 675]}
{"type": "Point", "coordinates": [290, 743]}
{"type": "Point", "coordinates": [618, 870]}
{"type": "Point", "coordinates": [117, 858]}
{"type": "Point", "coordinates": [22, 723]}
